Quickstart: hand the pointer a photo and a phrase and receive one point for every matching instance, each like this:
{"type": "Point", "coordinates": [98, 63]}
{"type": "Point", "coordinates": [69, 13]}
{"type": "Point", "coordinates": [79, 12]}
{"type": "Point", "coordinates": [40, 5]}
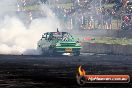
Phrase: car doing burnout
{"type": "Point", "coordinates": [53, 43]}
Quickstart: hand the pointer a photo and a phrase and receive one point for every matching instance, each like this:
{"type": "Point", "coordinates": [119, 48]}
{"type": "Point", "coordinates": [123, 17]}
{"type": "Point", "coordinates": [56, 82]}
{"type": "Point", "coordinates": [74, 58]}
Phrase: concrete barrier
{"type": "Point", "coordinates": [101, 48]}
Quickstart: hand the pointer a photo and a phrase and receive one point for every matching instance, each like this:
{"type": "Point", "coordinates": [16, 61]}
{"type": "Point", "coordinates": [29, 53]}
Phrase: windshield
{"type": "Point", "coordinates": [62, 36]}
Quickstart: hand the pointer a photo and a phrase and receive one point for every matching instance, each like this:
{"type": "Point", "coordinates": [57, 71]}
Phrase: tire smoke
{"type": "Point", "coordinates": [16, 38]}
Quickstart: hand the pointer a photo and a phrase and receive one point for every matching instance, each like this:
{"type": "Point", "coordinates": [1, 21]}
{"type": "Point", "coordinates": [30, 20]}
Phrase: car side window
{"type": "Point", "coordinates": [44, 35]}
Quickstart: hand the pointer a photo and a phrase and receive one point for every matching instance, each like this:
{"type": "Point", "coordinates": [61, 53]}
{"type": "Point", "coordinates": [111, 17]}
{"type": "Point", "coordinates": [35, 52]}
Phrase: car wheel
{"type": "Point", "coordinates": [77, 53]}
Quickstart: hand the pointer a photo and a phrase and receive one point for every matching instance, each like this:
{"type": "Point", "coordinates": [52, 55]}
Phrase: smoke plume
{"type": "Point", "coordinates": [15, 37]}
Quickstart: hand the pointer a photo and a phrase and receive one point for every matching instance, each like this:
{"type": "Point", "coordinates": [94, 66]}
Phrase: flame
{"type": "Point", "coordinates": [81, 71]}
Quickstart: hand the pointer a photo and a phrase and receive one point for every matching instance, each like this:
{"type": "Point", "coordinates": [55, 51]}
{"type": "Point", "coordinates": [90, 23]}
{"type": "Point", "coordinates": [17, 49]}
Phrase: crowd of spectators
{"type": "Point", "coordinates": [92, 14]}
{"type": "Point", "coordinates": [104, 16]}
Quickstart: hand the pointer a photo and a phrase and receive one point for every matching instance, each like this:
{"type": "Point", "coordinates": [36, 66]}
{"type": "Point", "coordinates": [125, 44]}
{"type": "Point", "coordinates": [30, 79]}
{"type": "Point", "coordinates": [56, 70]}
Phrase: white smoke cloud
{"type": "Point", "coordinates": [6, 6]}
{"type": "Point", "coordinates": [15, 38]}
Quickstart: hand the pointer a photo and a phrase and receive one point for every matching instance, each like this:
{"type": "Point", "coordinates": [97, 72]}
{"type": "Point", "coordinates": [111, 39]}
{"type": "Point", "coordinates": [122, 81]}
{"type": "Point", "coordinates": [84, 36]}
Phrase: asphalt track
{"type": "Point", "coordinates": [59, 71]}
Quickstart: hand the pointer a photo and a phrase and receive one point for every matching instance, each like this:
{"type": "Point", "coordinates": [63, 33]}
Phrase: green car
{"type": "Point", "coordinates": [53, 43]}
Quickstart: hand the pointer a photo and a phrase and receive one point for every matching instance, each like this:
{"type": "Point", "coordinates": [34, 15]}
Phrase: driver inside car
{"type": "Point", "coordinates": [65, 37]}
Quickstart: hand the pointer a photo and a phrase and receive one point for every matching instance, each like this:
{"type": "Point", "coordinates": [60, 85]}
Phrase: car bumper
{"type": "Point", "coordinates": [67, 49]}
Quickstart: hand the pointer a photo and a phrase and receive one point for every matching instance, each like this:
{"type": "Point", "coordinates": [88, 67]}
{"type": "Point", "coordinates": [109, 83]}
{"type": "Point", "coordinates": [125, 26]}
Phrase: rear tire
{"type": "Point", "coordinates": [47, 52]}
{"type": "Point", "coordinates": [50, 52]}
{"type": "Point", "coordinates": [77, 53]}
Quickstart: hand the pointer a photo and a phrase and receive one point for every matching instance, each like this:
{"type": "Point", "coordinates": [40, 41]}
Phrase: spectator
{"type": "Point", "coordinates": [126, 19]}
{"type": "Point", "coordinates": [99, 18]}
{"type": "Point", "coordinates": [108, 18]}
